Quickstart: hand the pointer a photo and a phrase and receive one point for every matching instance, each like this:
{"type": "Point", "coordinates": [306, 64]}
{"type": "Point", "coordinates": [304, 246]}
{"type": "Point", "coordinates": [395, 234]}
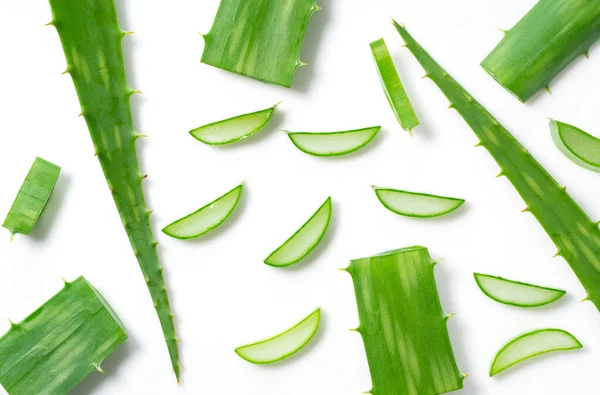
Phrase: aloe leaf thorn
{"type": "Point", "coordinates": [414, 204]}
{"type": "Point", "coordinates": [516, 293]}
{"type": "Point", "coordinates": [580, 147]}
{"type": "Point", "coordinates": [333, 143]}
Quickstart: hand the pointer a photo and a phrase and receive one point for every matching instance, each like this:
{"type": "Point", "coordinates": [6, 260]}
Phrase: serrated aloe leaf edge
{"type": "Point", "coordinates": [516, 293]}
{"type": "Point", "coordinates": [415, 204]}
{"type": "Point", "coordinates": [577, 145]}
{"type": "Point", "coordinates": [333, 143]}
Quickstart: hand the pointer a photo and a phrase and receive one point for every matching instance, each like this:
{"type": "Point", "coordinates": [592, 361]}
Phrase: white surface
{"type": "Point", "coordinates": [222, 293]}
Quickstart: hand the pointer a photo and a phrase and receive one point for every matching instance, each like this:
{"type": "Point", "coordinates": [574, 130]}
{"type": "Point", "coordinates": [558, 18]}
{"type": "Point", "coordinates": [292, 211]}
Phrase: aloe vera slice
{"type": "Point", "coordinates": [333, 144]}
{"type": "Point", "coordinates": [206, 218]}
{"type": "Point", "coordinates": [413, 204]}
{"type": "Point", "coordinates": [301, 243]}
{"type": "Point", "coordinates": [284, 344]}
{"type": "Point", "coordinates": [392, 86]}
{"type": "Point", "coordinates": [516, 293]}
{"type": "Point", "coordinates": [532, 344]}
{"type": "Point", "coordinates": [32, 197]}
{"type": "Point", "coordinates": [233, 129]}
{"type": "Point", "coordinates": [577, 145]}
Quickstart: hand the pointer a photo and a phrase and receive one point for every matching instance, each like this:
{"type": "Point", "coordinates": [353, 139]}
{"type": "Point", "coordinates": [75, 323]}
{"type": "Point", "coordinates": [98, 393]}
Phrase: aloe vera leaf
{"type": "Point", "coordinates": [402, 324]}
{"type": "Point", "coordinates": [333, 143]}
{"type": "Point", "coordinates": [301, 243]}
{"type": "Point", "coordinates": [392, 86]}
{"type": "Point", "coordinates": [575, 235]}
{"type": "Point", "coordinates": [548, 38]}
{"type": "Point", "coordinates": [206, 218]}
{"type": "Point", "coordinates": [283, 345]}
{"type": "Point", "coordinates": [414, 204]}
{"type": "Point", "coordinates": [577, 145]}
{"type": "Point", "coordinates": [516, 293]}
{"type": "Point", "coordinates": [532, 344]}
{"type": "Point", "coordinates": [91, 40]}
{"type": "Point", "coordinates": [260, 39]}
{"type": "Point", "coordinates": [32, 197]}
{"type": "Point", "coordinates": [60, 343]}
{"type": "Point", "coordinates": [233, 129]}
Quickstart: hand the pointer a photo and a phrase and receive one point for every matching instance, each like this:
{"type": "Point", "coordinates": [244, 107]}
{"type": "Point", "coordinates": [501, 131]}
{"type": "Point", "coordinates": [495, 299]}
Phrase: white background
{"type": "Point", "coordinates": [221, 291]}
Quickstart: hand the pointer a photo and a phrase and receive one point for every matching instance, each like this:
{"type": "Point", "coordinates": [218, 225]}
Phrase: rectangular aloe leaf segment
{"type": "Point", "coordinates": [60, 343]}
{"type": "Point", "coordinates": [402, 324]}
{"type": "Point", "coordinates": [260, 39]}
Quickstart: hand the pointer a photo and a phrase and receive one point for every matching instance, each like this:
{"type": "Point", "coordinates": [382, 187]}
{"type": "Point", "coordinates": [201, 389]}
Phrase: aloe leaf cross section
{"type": "Point", "coordinates": [334, 143]}
{"type": "Point", "coordinates": [577, 145]}
{"type": "Point", "coordinates": [304, 240]}
{"type": "Point", "coordinates": [60, 343]}
{"type": "Point", "coordinates": [283, 345]}
{"type": "Point", "coordinates": [516, 293]}
{"type": "Point", "coordinates": [32, 197]}
{"type": "Point", "coordinates": [415, 204]}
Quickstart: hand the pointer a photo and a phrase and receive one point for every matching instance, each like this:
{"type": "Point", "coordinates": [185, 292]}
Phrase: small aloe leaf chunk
{"type": "Point", "coordinates": [333, 144]}
{"type": "Point", "coordinates": [392, 86]}
{"type": "Point", "coordinates": [283, 345]}
{"type": "Point", "coordinates": [301, 243]}
{"type": "Point", "coordinates": [60, 343]}
{"type": "Point", "coordinates": [577, 145]}
{"type": "Point", "coordinates": [516, 293]}
{"type": "Point", "coordinates": [414, 204]}
{"type": "Point", "coordinates": [32, 197]}
{"type": "Point", "coordinates": [532, 344]}
{"type": "Point", "coordinates": [233, 129]}
{"type": "Point", "coordinates": [206, 218]}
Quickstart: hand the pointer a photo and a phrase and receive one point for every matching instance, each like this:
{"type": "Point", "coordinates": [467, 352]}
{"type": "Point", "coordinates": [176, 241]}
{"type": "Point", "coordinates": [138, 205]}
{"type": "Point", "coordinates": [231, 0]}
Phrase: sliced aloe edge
{"type": "Point", "coordinates": [283, 345]}
{"type": "Point", "coordinates": [233, 129]}
{"type": "Point", "coordinates": [516, 293]}
{"type": "Point", "coordinates": [333, 143]}
{"type": "Point", "coordinates": [580, 147]}
{"type": "Point", "coordinates": [304, 240]}
{"type": "Point", "coordinates": [532, 344]}
{"type": "Point", "coordinates": [207, 218]}
{"type": "Point", "coordinates": [415, 204]}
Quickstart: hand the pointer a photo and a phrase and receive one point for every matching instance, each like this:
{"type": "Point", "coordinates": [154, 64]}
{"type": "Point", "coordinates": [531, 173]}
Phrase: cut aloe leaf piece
{"type": "Point", "coordinates": [333, 144]}
{"type": "Point", "coordinates": [284, 344]}
{"type": "Point", "coordinates": [532, 344]}
{"type": "Point", "coordinates": [516, 293]}
{"type": "Point", "coordinates": [413, 204]}
{"type": "Point", "coordinates": [301, 243]}
{"type": "Point", "coordinates": [577, 145]}
{"type": "Point", "coordinates": [32, 197]}
{"type": "Point", "coordinates": [233, 129]}
{"type": "Point", "coordinates": [206, 218]}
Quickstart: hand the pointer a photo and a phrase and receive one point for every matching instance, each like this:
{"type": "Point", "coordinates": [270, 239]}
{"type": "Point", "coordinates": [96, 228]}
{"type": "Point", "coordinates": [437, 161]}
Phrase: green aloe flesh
{"type": "Point", "coordinates": [532, 344]}
{"type": "Point", "coordinates": [91, 40]}
{"type": "Point", "coordinates": [402, 324]}
{"type": "Point", "coordinates": [283, 345]}
{"type": "Point", "coordinates": [392, 86]}
{"type": "Point", "coordinates": [301, 243]}
{"type": "Point", "coordinates": [260, 39]}
{"type": "Point", "coordinates": [419, 205]}
{"type": "Point", "coordinates": [575, 235]}
{"type": "Point", "coordinates": [548, 38]}
{"type": "Point", "coordinates": [577, 145]}
{"type": "Point", "coordinates": [233, 129]}
{"type": "Point", "coordinates": [333, 144]}
{"type": "Point", "coordinates": [60, 343]}
{"type": "Point", "coordinates": [516, 293]}
{"type": "Point", "coordinates": [32, 197]}
{"type": "Point", "coordinates": [206, 218]}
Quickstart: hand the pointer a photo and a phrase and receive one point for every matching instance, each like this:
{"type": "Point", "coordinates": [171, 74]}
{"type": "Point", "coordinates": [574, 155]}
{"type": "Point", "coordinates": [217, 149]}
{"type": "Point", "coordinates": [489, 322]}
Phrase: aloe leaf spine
{"type": "Point", "coordinates": [60, 343]}
{"type": "Point", "coordinates": [91, 40]}
{"type": "Point", "coordinates": [582, 148]}
{"type": "Point", "coordinates": [402, 324]}
{"type": "Point", "coordinates": [575, 235]}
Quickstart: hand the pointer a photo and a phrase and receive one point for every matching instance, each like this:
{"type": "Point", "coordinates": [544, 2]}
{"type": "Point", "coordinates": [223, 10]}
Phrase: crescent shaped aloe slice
{"type": "Point", "coordinates": [532, 344]}
{"type": "Point", "coordinates": [333, 144]}
{"type": "Point", "coordinates": [414, 204]}
{"type": "Point", "coordinates": [283, 345]}
{"type": "Point", "coordinates": [577, 145]}
{"type": "Point", "coordinates": [207, 218]}
{"type": "Point", "coordinates": [233, 129]}
{"type": "Point", "coordinates": [301, 243]}
{"type": "Point", "coordinates": [516, 293]}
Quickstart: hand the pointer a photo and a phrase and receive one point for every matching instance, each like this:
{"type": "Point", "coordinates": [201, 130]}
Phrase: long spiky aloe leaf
{"type": "Point", "coordinates": [575, 235]}
{"type": "Point", "coordinates": [91, 39]}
